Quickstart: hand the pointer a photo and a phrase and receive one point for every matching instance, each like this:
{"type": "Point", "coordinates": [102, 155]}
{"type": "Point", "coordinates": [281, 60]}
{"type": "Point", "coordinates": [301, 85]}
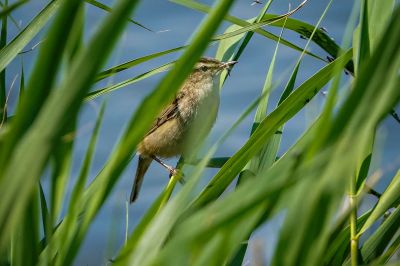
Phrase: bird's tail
{"type": "Point", "coordinates": [143, 165]}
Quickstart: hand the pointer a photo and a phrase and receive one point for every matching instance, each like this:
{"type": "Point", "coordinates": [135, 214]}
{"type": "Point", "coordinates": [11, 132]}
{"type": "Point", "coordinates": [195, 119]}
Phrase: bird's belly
{"type": "Point", "coordinates": [201, 123]}
{"type": "Point", "coordinates": [165, 142]}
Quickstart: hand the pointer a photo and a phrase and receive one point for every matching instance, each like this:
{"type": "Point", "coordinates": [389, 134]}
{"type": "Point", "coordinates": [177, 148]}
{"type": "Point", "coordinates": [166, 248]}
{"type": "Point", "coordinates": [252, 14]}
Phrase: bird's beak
{"type": "Point", "coordinates": [228, 64]}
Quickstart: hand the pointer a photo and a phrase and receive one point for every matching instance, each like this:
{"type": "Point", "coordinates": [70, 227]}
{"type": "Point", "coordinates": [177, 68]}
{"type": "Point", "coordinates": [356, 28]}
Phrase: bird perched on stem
{"type": "Point", "coordinates": [184, 123]}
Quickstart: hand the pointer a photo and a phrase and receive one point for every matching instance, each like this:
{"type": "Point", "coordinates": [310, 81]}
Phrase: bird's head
{"type": "Point", "coordinates": [212, 67]}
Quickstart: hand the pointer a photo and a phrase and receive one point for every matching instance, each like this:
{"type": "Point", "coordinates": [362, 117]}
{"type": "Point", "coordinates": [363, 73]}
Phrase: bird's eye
{"type": "Point", "coordinates": [204, 68]}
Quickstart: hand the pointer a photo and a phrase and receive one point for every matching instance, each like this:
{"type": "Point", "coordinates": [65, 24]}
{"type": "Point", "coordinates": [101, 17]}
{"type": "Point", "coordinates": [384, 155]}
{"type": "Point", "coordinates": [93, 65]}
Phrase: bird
{"type": "Point", "coordinates": [185, 122]}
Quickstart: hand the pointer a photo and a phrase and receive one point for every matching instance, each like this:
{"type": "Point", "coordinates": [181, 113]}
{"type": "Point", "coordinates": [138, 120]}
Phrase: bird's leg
{"type": "Point", "coordinates": [171, 170]}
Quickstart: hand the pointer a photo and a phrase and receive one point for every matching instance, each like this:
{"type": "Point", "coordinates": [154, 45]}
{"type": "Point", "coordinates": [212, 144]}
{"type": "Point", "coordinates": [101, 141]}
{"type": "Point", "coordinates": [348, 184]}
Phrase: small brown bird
{"type": "Point", "coordinates": [184, 123]}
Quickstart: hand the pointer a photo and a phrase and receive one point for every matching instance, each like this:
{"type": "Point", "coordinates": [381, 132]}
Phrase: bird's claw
{"type": "Point", "coordinates": [173, 172]}
{"type": "Point", "coordinates": [178, 174]}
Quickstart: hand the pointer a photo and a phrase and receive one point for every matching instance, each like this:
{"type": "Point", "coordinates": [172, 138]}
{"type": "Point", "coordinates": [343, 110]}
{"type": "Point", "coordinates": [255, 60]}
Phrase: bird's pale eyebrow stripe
{"type": "Point", "coordinates": [208, 64]}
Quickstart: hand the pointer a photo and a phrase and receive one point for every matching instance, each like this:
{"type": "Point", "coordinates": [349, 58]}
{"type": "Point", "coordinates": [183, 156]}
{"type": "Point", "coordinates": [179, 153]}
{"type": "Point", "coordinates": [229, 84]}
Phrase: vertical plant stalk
{"type": "Point", "coordinates": [363, 57]}
{"type": "Point", "coordinates": [169, 189]}
{"type": "Point", "coordinates": [353, 221]}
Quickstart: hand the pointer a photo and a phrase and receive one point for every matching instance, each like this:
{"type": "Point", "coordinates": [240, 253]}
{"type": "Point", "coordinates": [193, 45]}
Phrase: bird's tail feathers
{"type": "Point", "coordinates": [143, 165]}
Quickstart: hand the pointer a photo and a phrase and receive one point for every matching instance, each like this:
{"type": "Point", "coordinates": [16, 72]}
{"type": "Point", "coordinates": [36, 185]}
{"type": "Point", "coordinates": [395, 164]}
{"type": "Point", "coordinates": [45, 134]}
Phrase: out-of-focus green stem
{"type": "Point", "coordinates": [169, 189]}
{"type": "Point", "coordinates": [353, 222]}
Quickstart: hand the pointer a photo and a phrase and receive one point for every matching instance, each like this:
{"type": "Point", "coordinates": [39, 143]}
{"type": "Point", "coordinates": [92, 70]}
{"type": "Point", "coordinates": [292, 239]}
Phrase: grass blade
{"type": "Point", "coordinates": [389, 253]}
{"type": "Point", "coordinates": [44, 210]}
{"type": "Point", "coordinates": [109, 9]}
{"type": "Point", "coordinates": [376, 244]}
{"type": "Point", "coordinates": [204, 8]}
{"type": "Point", "coordinates": [25, 240]}
{"type": "Point", "coordinates": [265, 157]}
{"type": "Point", "coordinates": [378, 17]}
{"type": "Point", "coordinates": [8, 53]}
{"type": "Point", "coordinates": [119, 85]}
{"type": "Point", "coordinates": [361, 37]}
{"type": "Point", "coordinates": [114, 70]}
{"type": "Point", "coordinates": [386, 201]}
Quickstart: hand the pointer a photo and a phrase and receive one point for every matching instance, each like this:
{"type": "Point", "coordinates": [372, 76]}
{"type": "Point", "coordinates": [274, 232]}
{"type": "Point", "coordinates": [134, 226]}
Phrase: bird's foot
{"type": "Point", "coordinates": [173, 171]}
{"type": "Point", "coordinates": [177, 173]}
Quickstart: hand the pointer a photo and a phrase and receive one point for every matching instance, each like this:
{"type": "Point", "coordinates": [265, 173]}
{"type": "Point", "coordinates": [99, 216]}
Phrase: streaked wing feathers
{"type": "Point", "coordinates": [167, 114]}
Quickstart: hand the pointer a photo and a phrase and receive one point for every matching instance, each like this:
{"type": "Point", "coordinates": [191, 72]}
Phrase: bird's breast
{"type": "Point", "coordinates": [198, 114]}
{"type": "Point", "coordinates": [200, 105]}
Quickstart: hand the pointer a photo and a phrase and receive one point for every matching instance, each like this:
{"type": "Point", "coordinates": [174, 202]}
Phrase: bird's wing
{"type": "Point", "coordinates": [168, 113]}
